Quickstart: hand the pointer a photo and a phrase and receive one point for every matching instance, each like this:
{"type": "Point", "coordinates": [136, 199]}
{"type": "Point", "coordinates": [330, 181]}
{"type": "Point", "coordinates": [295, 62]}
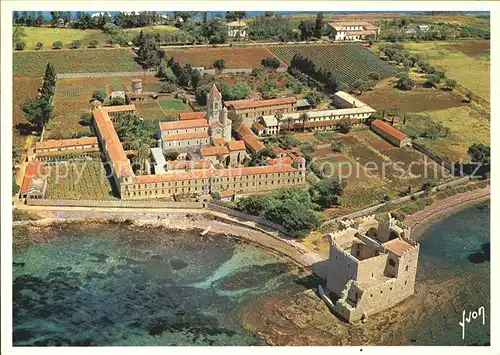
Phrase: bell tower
{"type": "Point", "coordinates": [214, 104]}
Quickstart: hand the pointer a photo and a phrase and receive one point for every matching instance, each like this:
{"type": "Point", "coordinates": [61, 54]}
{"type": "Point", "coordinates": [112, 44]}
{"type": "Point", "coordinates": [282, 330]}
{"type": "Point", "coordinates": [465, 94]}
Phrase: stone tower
{"type": "Point", "coordinates": [220, 125]}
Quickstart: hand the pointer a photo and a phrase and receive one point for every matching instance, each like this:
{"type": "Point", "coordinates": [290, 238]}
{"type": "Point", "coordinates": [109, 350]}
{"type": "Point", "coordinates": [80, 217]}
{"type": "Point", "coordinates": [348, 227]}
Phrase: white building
{"type": "Point", "coordinates": [352, 31]}
{"type": "Point", "coordinates": [237, 29]}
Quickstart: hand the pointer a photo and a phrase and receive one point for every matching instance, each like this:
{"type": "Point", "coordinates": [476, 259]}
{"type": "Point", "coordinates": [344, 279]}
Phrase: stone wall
{"type": "Point", "coordinates": [115, 203]}
{"type": "Point", "coordinates": [238, 214]}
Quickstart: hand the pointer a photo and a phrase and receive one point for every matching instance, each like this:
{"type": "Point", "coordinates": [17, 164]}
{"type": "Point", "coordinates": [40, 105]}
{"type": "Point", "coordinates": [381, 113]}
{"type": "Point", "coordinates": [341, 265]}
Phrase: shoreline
{"type": "Point", "coordinates": [219, 227]}
{"type": "Point", "coordinates": [420, 221]}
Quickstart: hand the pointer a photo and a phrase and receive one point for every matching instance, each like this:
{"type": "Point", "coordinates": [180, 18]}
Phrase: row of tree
{"type": "Point", "coordinates": [308, 67]}
{"type": "Point", "coordinates": [38, 111]}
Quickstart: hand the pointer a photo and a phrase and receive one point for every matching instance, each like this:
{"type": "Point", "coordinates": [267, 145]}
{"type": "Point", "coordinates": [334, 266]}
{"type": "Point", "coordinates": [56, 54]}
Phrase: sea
{"type": "Point", "coordinates": [116, 284]}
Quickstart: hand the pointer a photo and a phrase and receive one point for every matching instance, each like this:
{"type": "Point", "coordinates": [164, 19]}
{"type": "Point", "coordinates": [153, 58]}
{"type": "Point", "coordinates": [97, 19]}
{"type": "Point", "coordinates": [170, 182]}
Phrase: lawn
{"type": "Point", "coordinates": [172, 105]}
{"type": "Point", "coordinates": [467, 126]}
{"type": "Point", "coordinates": [149, 110]}
{"type": "Point", "coordinates": [33, 63]}
{"type": "Point", "coordinates": [84, 181]}
{"type": "Point", "coordinates": [466, 61]}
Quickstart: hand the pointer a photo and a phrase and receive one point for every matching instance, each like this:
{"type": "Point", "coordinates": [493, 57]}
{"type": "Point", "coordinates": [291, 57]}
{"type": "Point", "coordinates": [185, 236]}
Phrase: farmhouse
{"type": "Point", "coordinates": [250, 110]}
{"type": "Point", "coordinates": [371, 266]}
{"type": "Point", "coordinates": [237, 30]}
{"type": "Point", "coordinates": [353, 31]}
{"type": "Point", "coordinates": [390, 133]}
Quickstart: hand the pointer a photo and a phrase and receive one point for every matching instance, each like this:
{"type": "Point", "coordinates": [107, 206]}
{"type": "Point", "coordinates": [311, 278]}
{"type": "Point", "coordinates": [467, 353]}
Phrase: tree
{"type": "Point", "coordinates": [271, 62]}
{"type": "Point", "coordinates": [93, 43]}
{"type": "Point", "coordinates": [336, 146]}
{"type": "Point", "coordinates": [117, 101]}
{"type": "Point", "coordinates": [432, 80]}
{"type": "Point", "coordinates": [361, 85]}
{"type": "Point", "coordinates": [303, 118]}
{"type": "Point", "coordinates": [75, 44]}
{"type": "Point", "coordinates": [450, 84]}
{"type": "Point", "coordinates": [235, 15]}
{"type": "Point", "coordinates": [37, 112]}
{"type": "Point", "coordinates": [86, 118]}
{"type": "Point", "coordinates": [195, 78]}
{"type": "Point", "coordinates": [219, 64]}
{"type": "Point", "coordinates": [57, 45]}
{"type": "Point", "coordinates": [374, 76]}
{"type": "Point", "coordinates": [468, 96]}
{"type": "Point", "coordinates": [39, 45]}
{"type": "Point", "coordinates": [345, 125]}
{"type": "Point", "coordinates": [166, 72]}
{"type": "Point", "coordinates": [428, 185]}
{"type": "Point", "coordinates": [306, 29]}
{"type": "Point", "coordinates": [99, 95]}
{"type": "Point", "coordinates": [254, 205]}
{"type": "Point", "coordinates": [480, 153]}
{"type": "Point", "coordinates": [167, 87]}
{"type": "Point", "coordinates": [269, 14]}
{"type": "Point", "coordinates": [293, 216]}
{"type": "Point", "coordinates": [318, 26]}
{"type": "Point", "coordinates": [314, 98]}
{"type": "Point", "coordinates": [342, 86]}
{"type": "Point", "coordinates": [405, 82]}
{"type": "Point", "coordinates": [20, 46]}
{"type": "Point", "coordinates": [171, 155]}
{"type": "Point", "coordinates": [15, 188]}
{"type": "Point", "coordinates": [326, 192]}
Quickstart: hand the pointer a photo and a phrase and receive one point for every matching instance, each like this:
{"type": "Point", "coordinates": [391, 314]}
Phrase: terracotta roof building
{"type": "Point", "coordinates": [390, 133]}
{"type": "Point", "coordinates": [34, 182]}
{"type": "Point", "coordinates": [52, 145]}
{"type": "Point", "coordinates": [251, 141]}
{"type": "Point", "coordinates": [191, 115]}
{"type": "Point", "coordinates": [352, 31]}
{"type": "Point", "coordinates": [250, 110]}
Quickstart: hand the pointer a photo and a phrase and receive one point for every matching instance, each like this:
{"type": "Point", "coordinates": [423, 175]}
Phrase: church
{"type": "Point", "coordinates": [196, 129]}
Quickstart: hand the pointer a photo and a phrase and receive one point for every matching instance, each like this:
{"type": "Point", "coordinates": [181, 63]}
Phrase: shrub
{"type": "Point", "coordinates": [20, 46]}
{"type": "Point", "coordinates": [75, 44]}
{"type": "Point", "coordinates": [57, 45]}
{"type": "Point", "coordinates": [271, 62]}
{"type": "Point", "coordinates": [39, 45]}
{"type": "Point", "coordinates": [93, 43]}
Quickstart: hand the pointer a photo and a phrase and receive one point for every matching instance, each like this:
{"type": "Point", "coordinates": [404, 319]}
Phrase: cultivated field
{"type": "Point", "coordinates": [48, 35]}
{"type": "Point", "coordinates": [466, 61]}
{"type": "Point", "coordinates": [82, 181]}
{"type": "Point", "coordinates": [72, 99]}
{"type": "Point", "coordinates": [467, 126]}
{"type": "Point", "coordinates": [23, 88]}
{"type": "Point", "coordinates": [386, 97]}
{"type": "Point", "coordinates": [347, 62]}
{"type": "Point", "coordinates": [33, 63]}
{"type": "Point", "coordinates": [235, 57]}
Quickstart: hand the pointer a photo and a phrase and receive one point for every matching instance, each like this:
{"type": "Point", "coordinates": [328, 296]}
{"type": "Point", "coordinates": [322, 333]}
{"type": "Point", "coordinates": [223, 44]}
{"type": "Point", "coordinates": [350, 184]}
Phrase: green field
{"type": "Point", "coordinates": [347, 62]}
{"type": "Point", "coordinates": [468, 62]}
{"type": "Point", "coordinates": [33, 63]}
{"type": "Point", "coordinates": [467, 126]}
{"type": "Point", "coordinates": [172, 105]}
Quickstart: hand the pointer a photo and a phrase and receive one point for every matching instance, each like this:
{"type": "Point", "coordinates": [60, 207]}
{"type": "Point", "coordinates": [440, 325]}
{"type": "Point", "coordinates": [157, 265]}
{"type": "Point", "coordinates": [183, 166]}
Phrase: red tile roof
{"type": "Point", "coordinates": [184, 136]}
{"type": "Point", "coordinates": [251, 141]}
{"type": "Point", "coordinates": [173, 125]}
{"type": "Point", "coordinates": [285, 160]}
{"type": "Point", "coordinates": [317, 124]}
{"type": "Point", "coordinates": [258, 127]}
{"type": "Point", "coordinates": [219, 141]}
{"type": "Point", "coordinates": [67, 152]}
{"type": "Point", "coordinates": [112, 144]}
{"type": "Point", "coordinates": [397, 246]}
{"type": "Point", "coordinates": [118, 108]}
{"type": "Point", "coordinates": [387, 128]}
{"type": "Point", "coordinates": [214, 93]}
{"type": "Point", "coordinates": [55, 143]}
{"type": "Point", "coordinates": [188, 164]}
{"type": "Point", "coordinates": [212, 151]}
{"type": "Point", "coordinates": [191, 115]}
{"type": "Point", "coordinates": [211, 173]}
{"type": "Point", "coordinates": [242, 104]}
{"type": "Point", "coordinates": [236, 145]}
{"type": "Point", "coordinates": [226, 193]}
{"type": "Point", "coordinates": [35, 169]}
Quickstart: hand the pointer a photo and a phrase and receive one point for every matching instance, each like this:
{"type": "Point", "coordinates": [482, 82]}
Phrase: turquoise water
{"type": "Point", "coordinates": [456, 248]}
{"type": "Point", "coordinates": [122, 286]}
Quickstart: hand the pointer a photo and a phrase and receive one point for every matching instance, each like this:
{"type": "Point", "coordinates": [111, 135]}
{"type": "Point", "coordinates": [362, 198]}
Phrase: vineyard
{"type": "Point", "coordinates": [86, 181]}
{"type": "Point", "coordinates": [32, 63]}
{"type": "Point", "coordinates": [347, 62]}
